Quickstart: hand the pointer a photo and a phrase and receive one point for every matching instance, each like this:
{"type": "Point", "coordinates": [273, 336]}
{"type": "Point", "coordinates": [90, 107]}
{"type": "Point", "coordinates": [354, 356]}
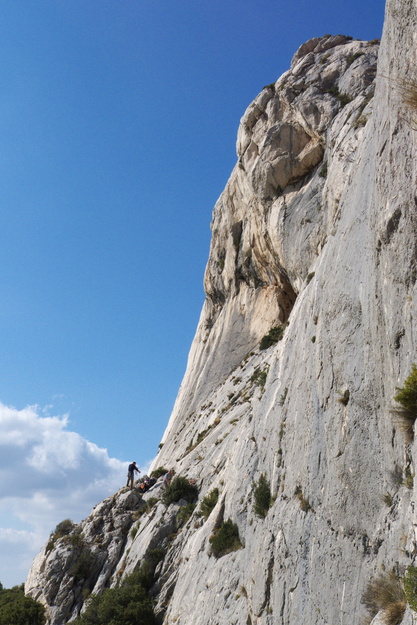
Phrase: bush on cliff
{"type": "Point", "coordinates": [406, 397]}
{"type": "Point", "coordinates": [262, 496]}
{"type": "Point", "coordinates": [274, 335]}
{"type": "Point", "coordinates": [209, 502]}
{"type": "Point", "coordinates": [410, 587]}
{"type": "Point", "coordinates": [180, 488]}
{"type": "Point", "coordinates": [385, 594]}
{"type": "Point", "coordinates": [63, 529]}
{"type": "Point", "coordinates": [225, 539]}
{"type": "Point", "coordinates": [158, 472]}
{"type": "Point", "coordinates": [128, 604]}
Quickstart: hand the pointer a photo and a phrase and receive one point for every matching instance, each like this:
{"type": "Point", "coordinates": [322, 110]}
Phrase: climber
{"type": "Point", "coordinates": [146, 483]}
{"type": "Point", "coordinates": [167, 478]}
{"type": "Point", "coordinates": [131, 473]}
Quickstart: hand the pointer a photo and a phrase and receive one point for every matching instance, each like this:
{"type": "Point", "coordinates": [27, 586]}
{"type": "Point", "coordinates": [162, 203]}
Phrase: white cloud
{"type": "Point", "coordinates": [17, 550]}
{"type": "Point", "coordinates": [47, 474]}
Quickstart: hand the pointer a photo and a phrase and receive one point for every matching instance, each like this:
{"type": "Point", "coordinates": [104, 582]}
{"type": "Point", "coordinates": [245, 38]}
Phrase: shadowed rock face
{"type": "Point", "coordinates": [315, 231]}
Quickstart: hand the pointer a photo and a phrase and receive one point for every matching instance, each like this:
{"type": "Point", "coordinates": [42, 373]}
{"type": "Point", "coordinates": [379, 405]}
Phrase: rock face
{"type": "Point", "coordinates": [314, 232]}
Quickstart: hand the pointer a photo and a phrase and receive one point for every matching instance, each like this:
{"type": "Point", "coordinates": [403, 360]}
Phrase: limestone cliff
{"type": "Point", "coordinates": [314, 233]}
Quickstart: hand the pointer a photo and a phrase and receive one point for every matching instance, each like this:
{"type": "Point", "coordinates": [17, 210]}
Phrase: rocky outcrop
{"type": "Point", "coordinates": [81, 559]}
{"type": "Point", "coordinates": [315, 233]}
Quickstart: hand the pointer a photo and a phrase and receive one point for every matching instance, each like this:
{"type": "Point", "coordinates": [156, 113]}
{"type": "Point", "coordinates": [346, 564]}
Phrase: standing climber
{"type": "Point", "coordinates": [131, 474]}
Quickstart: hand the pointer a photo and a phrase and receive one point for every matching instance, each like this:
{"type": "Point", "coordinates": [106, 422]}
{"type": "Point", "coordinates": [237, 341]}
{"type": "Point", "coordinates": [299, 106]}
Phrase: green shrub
{"type": "Point", "coordinates": [283, 396]}
{"type": "Point", "coordinates": [323, 170]}
{"type": "Point", "coordinates": [385, 593]}
{"type": "Point", "coordinates": [304, 503]}
{"type": "Point", "coordinates": [209, 502]}
{"type": "Point", "coordinates": [353, 57]}
{"type": "Point", "coordinates": [262, 496]}
{"type": "Point", "coordinates": [50, 545]}
{"type": "Point", "coordinates": [149, 504]}
{"type": "Point", "coordinates": [64, 528]}
{"type": "Point", "coordinates": [387, 499]}
{"type": "Point", "coordinates": [201, 436]}
{"type": "Point", "coordinates": [17, 609]}
{"type": "Point", "coordinates": [259, 376]}
{"type": "Point", "coordinates": [184, 513]}
{"type": "Point", "coordinates": [75, 540]}
{"type": "Point", "coordinates": [333, 90]}
{"type": "Point", "coordinates": [154, 556]}
{"type": "Point", "coordinates": [406, 397]}
{"type": "Point", "coordinates": [225, 539]}
{"type": "Point", "coordinates": [274, 335]}
{"type": "Point", "coordinates": [410, 587]}
{"type": "Point", "coordinates": [180, 488]}
{"type": "Point", "coordinates": [158, 472]}
{"type": "Point", "coordinates": [344, 398]}
{"type": "Point", "coordinates": [128, 604]}
{"type": "Point", "coordinates": [82, 566]}
{"type": "Point", "coordinates": [343, 98]}
{"type": "Point", "coordinates": [145, 573]}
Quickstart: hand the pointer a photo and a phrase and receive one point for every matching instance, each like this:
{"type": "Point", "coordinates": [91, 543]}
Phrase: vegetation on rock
{"type": "Point", "coordinates": [64, 528]}
{"type": "Point", "coordinates": [225, 539]}
{"type": "Point", "coordinates": [128, 604]}
{"type": "Point", "coordinates": [184, 513]}
{"type": "Point", "coordinates": [304, 503]}
{"type": "Point", "coordinates": [262, 496]}
{"type": "Point", "coordinates": [208, 503]}
{"type": "Point", "coordinates": [274, 335]}
{"type": "Point", "coordinates": [406, 397]}
{"type": "Point", "coordinates": [410, 587]}
{"type": "Point", "coordinates": [385, 593]}
{"type": "Point", "coordinates": [259, 376]}
{"type": "Point", "coordinates": [82, 566]}
{"type": "Point", "coordinates": [180, 488]}
{"type": "Point", "coordinates": [149, 504]}
{"type": "Point", "coordinates": [158, 472]}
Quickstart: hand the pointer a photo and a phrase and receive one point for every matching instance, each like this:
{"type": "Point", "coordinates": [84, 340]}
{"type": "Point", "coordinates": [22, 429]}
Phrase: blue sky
{"type": "Point", "coordinates": [118, 122]}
